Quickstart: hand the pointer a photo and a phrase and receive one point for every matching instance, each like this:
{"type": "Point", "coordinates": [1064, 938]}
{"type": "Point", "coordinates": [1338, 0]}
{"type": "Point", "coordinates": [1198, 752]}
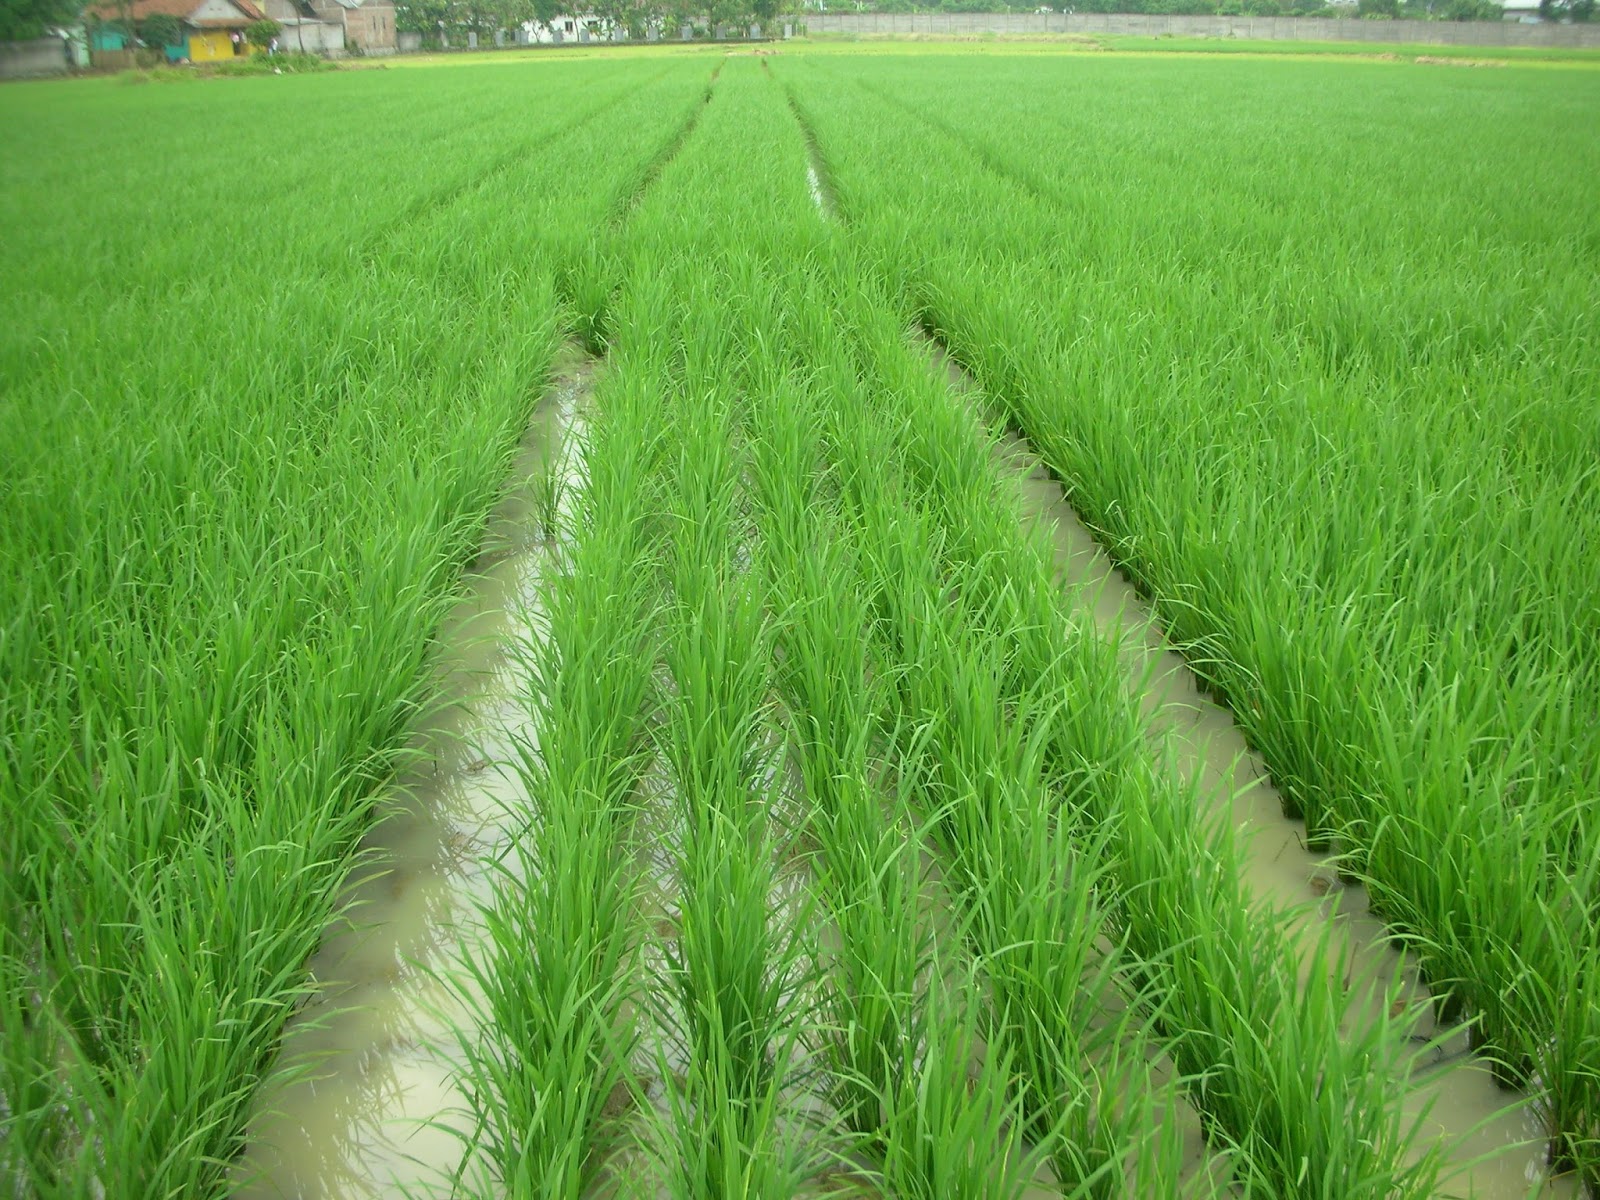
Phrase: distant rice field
{"type": "Point", "coordinates": [853, 844]}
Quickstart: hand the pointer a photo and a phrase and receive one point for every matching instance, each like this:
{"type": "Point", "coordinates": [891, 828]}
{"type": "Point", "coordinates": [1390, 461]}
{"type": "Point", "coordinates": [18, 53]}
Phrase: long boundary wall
{"type": "Point", "coordinates": [1303, 29]}
{"type": "Point", "coordinates": [32, 60]}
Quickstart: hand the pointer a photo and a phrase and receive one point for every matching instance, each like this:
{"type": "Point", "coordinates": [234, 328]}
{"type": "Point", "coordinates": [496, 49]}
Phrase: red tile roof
{"type": "Point", "coordinates": [140, 9]}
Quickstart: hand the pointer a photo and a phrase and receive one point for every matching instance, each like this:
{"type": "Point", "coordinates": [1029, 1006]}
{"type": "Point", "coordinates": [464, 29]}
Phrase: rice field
{"type": "Point", "coordinates": [698, 625]}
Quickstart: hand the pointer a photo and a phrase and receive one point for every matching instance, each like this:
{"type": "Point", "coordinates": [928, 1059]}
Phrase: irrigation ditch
{"type": "Point", "coordinates": [367, 1096]}
{"type": "Point", "coordinates": [1497, 1143]}
{"type": "Point", "coordinates": [1495, 1138]}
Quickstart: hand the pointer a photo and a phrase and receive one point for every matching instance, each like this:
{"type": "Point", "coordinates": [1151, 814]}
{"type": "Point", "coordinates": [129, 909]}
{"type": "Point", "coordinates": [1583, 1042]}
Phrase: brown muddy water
{"type": "Point", "coordinates": [367, 1096]}
{"type": "Point", "coordinates": [1499, 1140]}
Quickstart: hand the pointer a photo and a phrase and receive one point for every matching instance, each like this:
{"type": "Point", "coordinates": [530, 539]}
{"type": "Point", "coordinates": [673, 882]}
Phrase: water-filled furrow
{"type": "Point", "coordinates": [367, 1098]}
{"type": "Point", "coordinates": [1498, 1147]}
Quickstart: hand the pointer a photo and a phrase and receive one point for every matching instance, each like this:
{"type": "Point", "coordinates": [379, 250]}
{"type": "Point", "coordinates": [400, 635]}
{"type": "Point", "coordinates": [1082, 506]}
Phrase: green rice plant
{"type": "Point", "coordinates": [865, 869]}
{"type": "Point", "coordinates": [1340, 437]}
{"type": "Point", "coordinates": [1082, 1069]}
{"type": "Point", "coordinates": [732, 963]}
{"type": "Point", "coordinates": [974, 573]}
{"type": "Point", "coordinates": [732, 970]}
{"type": "Point", "coordinates": [557, 1035]}
{"type": "Point", "coordinates": [1391, 618]}
{"type": "Point", "coordinates": [217, 624]}
{"type": "Point", "coordinates": [874, 1001]}
{"type": "Point", "coordinates": [953, 1126]}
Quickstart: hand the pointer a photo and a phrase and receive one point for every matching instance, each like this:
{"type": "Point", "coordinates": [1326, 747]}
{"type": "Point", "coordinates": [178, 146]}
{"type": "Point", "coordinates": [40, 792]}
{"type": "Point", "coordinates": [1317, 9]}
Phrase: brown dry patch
{"type": "Point", "coordinates": [1434, 61]}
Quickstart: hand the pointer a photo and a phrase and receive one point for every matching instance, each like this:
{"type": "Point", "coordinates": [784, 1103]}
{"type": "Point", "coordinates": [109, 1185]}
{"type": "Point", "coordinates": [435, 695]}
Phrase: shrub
{"type": "Point", "coordinates": [161, 29]}
{"type": "Point", "coordinates": [261, 33]}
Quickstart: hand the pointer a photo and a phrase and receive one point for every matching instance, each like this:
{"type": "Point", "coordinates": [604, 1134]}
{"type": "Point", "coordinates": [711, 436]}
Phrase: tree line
{"type": "Point", "coordinates": [24, 19]}
{"type": "Point", "coordinates": [446, 18]}
{"type": "Point", "coordinates": [1420, 10]}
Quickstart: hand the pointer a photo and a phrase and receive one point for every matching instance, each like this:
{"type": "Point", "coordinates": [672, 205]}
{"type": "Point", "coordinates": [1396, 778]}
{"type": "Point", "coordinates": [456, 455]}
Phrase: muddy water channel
{"type": "Point", "coordinates": [1500, 1141]}
{"type": "Point", "coordinates": [366, 1100]}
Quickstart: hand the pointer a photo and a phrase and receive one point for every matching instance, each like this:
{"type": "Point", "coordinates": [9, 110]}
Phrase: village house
{"type": "Point", "coordinates": [213, 29]}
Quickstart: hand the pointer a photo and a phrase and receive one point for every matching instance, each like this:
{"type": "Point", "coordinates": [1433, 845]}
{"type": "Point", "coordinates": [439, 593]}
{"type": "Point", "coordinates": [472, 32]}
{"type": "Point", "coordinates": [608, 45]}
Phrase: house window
{"type": "Point", "coordinates": [572, 27]}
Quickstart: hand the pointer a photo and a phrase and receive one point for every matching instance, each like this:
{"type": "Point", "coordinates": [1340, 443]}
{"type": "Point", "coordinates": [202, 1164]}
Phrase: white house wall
{"type": "Point", "coordinates": [541, 34]}
{"type": "Point", "coordinates": [320, 37]}
{"type": "Point", "coordinates": [217, 10]}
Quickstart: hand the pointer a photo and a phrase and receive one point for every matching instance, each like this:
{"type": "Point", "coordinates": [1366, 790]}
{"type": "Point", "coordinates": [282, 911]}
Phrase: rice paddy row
{"type": "Point", "coordinates": [1205, 347]}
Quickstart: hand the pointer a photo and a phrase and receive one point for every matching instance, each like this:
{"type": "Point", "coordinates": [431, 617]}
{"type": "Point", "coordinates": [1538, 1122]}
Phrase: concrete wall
{"type": "Point", "coordinates": [318, 37]}
{"type": "Point", "coordinates": [33, 60]}
{"type": "Point", "coordinates": [371, 28]}
{"type": "Point", "coordinates": [1313, 29]}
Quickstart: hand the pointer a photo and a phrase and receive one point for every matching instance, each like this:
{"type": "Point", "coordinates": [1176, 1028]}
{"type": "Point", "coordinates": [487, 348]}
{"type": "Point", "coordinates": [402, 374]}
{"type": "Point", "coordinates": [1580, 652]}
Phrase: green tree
{"type": "Point", "coordinates": [261, 33]}
{"type": "Point", "coordinates": [159, 30]}
{"type": "Point", "coordinates": [1472, 10]}
{"type": "Point", "coordinates": [611, 13]}
{"type": "Point", "coordinates": [21, 20]}
{"type": "Point", "coordinates": [423, 16]}
{"type": "Point", "coordinates": [546, 11]}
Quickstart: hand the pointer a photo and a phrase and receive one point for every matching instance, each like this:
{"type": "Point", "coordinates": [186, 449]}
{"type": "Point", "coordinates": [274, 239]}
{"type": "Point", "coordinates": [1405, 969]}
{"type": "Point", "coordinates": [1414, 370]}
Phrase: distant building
{"type": "Point", "coordinates": [213, 29]}
{"type": "Point", "coordinates": [577, 28]}
{"type": "Point", "coordinates": [363, 26]}
{"type": "Point", "coordinates": [1524, 11]}
{"type": "Point", "coordinates": [368, 24]}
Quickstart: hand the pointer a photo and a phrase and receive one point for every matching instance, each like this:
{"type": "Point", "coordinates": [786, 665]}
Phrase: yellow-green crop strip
{"type": "Point", "coordinates": [1312, 346]}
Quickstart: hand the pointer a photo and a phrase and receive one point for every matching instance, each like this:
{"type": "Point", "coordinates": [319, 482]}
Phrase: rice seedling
{"type": "Point", "coordinates": [953, 1128]}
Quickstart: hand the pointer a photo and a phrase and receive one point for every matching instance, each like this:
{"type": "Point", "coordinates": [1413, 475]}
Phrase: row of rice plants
{"type": "Point", "coordinates": [740, 959]}
{"type": "Point", "coordinates": [1202, 325]}
{"type": "Point", "coordinates": [554, 1038]}
{"type": "Point", "coordinates": [925, 660]}
{"type": "Point", "coordinates": [558, 1026]}
{"type": "Point", "coordinates": [223, 561]}
{"type": "Point", "coordinates": [662, 564]}
{"type": "Point", "coordinates": [1309, 1093]}
{"type": "Point", "coordinates": [1062, 1068]}
{"type": "Point", "coordinates": [732, 959]}
{"type": "Point", "coordinates": [914, 1099]}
